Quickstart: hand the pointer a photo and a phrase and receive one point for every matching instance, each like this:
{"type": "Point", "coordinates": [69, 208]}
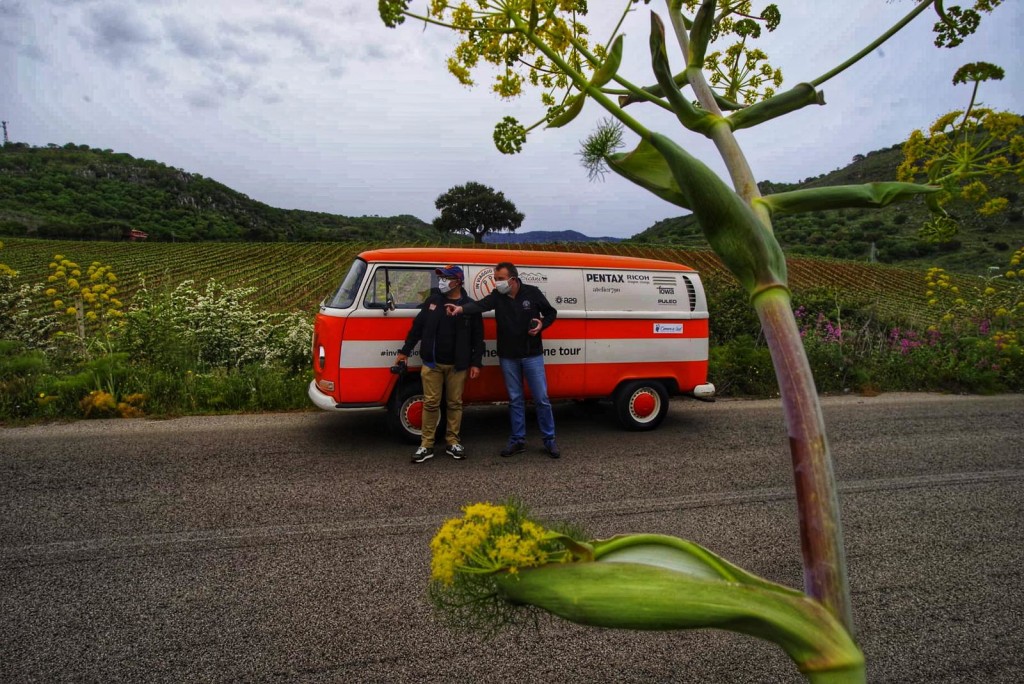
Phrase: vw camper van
{"type": "Point", "coordinates": [629, 329]}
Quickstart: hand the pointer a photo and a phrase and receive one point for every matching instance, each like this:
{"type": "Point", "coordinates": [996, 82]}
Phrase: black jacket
{"type": "Point", "coordinates": [514, 317]}
{"type": "Point", "coordinates": [469, 332]}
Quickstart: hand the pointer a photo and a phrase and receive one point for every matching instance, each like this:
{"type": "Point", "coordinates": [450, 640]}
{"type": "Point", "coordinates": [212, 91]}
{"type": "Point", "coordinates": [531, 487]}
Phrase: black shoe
{"type": "Point", "coordinates": [552, 448]}
{"type": "Point", "coordinates": [456, 451]}
{"type": "Point", "coordinates": [513, 447]}
{"type": "Point", "coordinates": [422, 454]}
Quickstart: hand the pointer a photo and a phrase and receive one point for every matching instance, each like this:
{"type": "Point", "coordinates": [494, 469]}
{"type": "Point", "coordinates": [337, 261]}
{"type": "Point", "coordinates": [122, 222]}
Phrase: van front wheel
{"type": "Point", "coordinates": [641, 405]}
{"type": "Point", "coordinates": [405, 412]}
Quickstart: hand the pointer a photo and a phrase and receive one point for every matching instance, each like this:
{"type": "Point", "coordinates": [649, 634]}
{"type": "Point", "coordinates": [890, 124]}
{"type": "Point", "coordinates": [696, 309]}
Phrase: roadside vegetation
{"type": "Point", "coordinates": [102, 329]}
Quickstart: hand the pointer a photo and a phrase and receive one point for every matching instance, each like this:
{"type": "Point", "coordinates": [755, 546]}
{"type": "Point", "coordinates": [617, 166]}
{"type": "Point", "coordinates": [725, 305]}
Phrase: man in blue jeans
{"type": "Point", "coordinates": [522, 313]}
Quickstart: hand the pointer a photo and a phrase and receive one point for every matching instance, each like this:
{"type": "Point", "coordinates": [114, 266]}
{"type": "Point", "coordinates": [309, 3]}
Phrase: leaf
{"type": "Point", "coordinates": [673, 553]}
{"type": "Point", "coordinates": [687, 114]}
{"type": "Point", "coordinates": [700, 33]}
{"type": "Point", "coordinates": [872, 195]}
{"type": "Point", "coordinates": [610, 67]}
{"type": "Point", "coordinates": [746, 246]}
{"type": "Point", "coordinates": [570, 111]}
{"type": "Point", "coordinates": [647, 168]}
{"type": "Point", "coordinates": [655, 582]}
{"type": "Point", "coordinates": [797, 97]}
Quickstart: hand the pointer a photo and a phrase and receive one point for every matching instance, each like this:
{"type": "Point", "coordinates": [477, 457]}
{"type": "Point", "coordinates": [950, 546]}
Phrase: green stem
{"type": "Point", "coordinates": [630, 88]}
{"type": "Point", "coordinates": [740, 173]}
{"type": "Point", "coordinates": [851, 675]}
{"type": "Point", "coordinates": [628, 595]}
{"type": "Point", "coordinates": [821, 534]}
{"type": "Point", "coordinates": [625, 13]}
{"type": "Point", "coordinates": [580, 82]}
{"type": "Point", "coordinates": [871, 48]}
{"type": "Point", "coordinates": [974, 94]}
{"type": "Point", "coordinates": [453, 27]}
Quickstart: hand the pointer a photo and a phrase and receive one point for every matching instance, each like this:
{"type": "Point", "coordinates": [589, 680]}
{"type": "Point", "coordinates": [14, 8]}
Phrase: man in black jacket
{"type": "Point", "coordinates": [449, 347]}
{"type": "Point", "coordinates": [522, 312]}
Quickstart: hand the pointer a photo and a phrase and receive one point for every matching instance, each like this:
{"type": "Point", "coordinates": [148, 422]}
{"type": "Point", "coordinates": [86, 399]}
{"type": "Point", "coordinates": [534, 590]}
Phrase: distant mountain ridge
{"type": "Point", "coordinates": [544, 236]}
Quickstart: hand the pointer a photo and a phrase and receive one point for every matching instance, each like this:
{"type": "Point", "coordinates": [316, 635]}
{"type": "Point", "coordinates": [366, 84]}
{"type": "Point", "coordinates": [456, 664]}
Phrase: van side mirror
{"type": "Point", "coordinates": [389, 303]}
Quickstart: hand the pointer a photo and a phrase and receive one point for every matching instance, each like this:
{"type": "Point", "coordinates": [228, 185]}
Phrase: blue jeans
{"type": "Point", "coordinates": [532, 369]}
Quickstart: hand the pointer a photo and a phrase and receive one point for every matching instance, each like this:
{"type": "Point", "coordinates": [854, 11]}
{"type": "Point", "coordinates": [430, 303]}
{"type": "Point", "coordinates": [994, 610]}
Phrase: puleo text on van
{"type": "Point", "coordinates": [631, 330]}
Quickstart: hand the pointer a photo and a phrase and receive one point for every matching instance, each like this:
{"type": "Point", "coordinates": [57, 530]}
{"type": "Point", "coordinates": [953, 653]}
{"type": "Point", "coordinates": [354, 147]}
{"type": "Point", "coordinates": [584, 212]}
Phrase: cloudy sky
{"type": "Point", "coordinates": [314, 104]}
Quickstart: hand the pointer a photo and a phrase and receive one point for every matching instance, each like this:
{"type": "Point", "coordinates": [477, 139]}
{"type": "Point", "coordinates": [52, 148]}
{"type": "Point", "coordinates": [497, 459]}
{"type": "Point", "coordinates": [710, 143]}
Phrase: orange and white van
{"type": "Point", "coordinates": [628, 329]}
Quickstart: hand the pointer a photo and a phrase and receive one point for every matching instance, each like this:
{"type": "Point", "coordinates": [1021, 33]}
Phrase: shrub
{"type": "Point", "coordinates": [19, 371]}
{"type": "Point", "coordinates": [742, 367]}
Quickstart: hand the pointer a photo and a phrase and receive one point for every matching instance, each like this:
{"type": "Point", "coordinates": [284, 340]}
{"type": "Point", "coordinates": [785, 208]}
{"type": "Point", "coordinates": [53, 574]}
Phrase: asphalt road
{"type": "Point", "coordinates": [294, 547]}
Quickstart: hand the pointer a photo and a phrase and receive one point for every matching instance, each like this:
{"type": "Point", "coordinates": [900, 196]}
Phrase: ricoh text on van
{"type": "Point", "coordinates": [629, 329]}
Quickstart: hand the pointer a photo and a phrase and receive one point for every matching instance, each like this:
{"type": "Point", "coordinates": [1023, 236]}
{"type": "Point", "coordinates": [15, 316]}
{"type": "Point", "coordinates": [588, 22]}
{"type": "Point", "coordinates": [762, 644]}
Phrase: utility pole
{"type": "Point", "coordinates": [6, 140]}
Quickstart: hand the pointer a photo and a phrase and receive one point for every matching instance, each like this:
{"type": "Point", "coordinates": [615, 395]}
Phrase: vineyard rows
{"type": "Point", "coordinates": [290, 277]}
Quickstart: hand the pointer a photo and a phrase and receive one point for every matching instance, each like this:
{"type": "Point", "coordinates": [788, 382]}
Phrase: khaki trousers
{"type": "Point", "coordinates": [441, 378]}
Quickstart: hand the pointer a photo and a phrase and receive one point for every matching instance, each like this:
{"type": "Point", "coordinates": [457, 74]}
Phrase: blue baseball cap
{"type": "Point", "coordinates": [450, 272]}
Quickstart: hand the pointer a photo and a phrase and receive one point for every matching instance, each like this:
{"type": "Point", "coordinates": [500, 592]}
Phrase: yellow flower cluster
{"type": "Point", "coordinates": [91, 300]}
{"type": "Point", "coordinates": [488, 539]}
{"type": "Point", "coordinates": [97, 404]}
{"type": "Point", "coordinates": [101, 404]}
{"type": "Point", "coordinates": [962, 146]}
{"type": "Point", "coordinates": [494, 33]}
{"type": "Point", "coordinates": [997, 300]}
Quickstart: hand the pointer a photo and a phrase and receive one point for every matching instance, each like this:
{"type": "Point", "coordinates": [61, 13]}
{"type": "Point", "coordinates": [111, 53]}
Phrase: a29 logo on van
{"type": "Point", "coordinates": [566, 300]}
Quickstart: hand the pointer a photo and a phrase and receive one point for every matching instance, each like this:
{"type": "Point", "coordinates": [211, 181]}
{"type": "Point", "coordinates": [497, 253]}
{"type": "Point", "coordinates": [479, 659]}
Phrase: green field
{"type": "Point", "coordinates": [296, 276]}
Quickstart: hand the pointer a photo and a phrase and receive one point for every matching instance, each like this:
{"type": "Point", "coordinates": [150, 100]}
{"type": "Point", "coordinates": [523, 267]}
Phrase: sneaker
{"type": "Point", "coordinates": [422, 454]}
{"type": "Point", "coordinates": [552, 448]}
{"type": "Point", "coordinates": [513, 447]}
{"type": "Point", "coordinates": [456, 451]}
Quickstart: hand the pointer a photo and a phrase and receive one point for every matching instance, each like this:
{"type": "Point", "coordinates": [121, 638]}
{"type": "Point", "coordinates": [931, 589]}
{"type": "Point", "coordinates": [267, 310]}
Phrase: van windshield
{"type": "Point", "coordinates": [346, 294]}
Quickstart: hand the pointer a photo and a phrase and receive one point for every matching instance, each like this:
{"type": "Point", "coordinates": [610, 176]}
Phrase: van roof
{"type": "Point", "coordinates": [519, 257]}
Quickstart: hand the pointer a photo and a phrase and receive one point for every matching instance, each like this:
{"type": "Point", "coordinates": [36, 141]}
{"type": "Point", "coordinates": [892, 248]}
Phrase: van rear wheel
{"type": "Point", "coordinates": [641, 405]}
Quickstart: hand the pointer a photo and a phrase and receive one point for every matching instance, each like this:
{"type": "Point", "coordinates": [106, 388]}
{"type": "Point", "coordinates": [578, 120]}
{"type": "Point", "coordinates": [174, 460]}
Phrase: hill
{"type": "Point", "coordinates": [538, 237]}
{"type": "Point", "coordinates": [80, 192]}
{"type": "Point", "coordinates": [887, 235]}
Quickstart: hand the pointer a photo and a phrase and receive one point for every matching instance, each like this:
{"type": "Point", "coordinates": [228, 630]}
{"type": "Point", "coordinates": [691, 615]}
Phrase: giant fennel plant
{"type": "Point", "coordinates": [648, 581]}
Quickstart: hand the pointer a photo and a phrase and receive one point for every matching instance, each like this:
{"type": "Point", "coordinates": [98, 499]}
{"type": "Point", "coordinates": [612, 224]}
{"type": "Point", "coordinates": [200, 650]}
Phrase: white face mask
{"type": "Point", "coordinates": [444, 285]}
{"type": "Point", "coordinates": [502, 286]}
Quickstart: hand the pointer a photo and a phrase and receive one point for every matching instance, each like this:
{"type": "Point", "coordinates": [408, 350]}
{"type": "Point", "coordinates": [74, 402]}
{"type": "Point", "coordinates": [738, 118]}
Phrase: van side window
{"type": "Point", "coordinates": [409, 287]}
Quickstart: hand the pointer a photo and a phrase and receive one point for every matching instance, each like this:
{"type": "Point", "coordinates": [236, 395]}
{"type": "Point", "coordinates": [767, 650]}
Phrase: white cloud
{"type": "Point", "coordinates": [314, 104]}
{"type": "Point", "coordinates": [116, 32]}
